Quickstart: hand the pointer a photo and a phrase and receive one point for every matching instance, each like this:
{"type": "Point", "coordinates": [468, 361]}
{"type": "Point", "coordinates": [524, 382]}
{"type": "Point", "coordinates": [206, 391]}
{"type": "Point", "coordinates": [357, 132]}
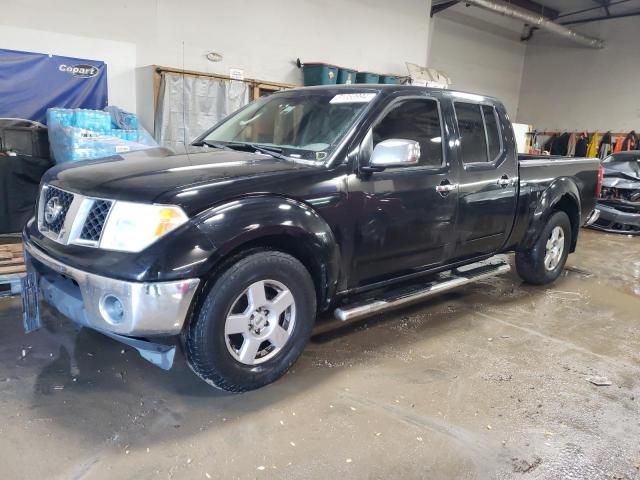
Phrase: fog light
{"type": "Point", "coordinates": [112, 309]}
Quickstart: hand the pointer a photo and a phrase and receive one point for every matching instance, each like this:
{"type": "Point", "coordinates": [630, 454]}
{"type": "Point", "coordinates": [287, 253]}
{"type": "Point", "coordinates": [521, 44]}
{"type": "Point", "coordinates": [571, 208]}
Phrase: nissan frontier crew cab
{"type": "Point", "coordinates": [349, 199]}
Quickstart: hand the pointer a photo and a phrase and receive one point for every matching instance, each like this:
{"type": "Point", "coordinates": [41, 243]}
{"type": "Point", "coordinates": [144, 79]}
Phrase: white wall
{"type": "Point", "coordinates": [263, 38]}
{"type": "Point", "coordinates": [566, 87]}
{"type": "Point", "coordinates": [481, 53]}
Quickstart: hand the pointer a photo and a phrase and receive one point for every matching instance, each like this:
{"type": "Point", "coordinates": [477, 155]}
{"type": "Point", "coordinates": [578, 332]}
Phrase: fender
{"type": "Point", "coordinates": [547, 201]}
{"type": "Point", "coordinates": [233, 224]}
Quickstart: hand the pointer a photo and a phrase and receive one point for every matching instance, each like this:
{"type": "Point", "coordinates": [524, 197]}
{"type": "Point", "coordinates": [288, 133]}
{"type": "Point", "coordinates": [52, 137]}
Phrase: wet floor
{"type": "Point", "coordinates": [491, 381]}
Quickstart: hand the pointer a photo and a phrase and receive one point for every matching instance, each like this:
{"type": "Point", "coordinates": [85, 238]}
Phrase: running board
{"type": "Point", "coordinates": [455, 278]}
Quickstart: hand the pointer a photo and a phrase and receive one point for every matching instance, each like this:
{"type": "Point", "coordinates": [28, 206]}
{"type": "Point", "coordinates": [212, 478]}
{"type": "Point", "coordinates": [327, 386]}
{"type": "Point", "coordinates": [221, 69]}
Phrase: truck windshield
{"type": "Point", "coordinates": [301, 125]}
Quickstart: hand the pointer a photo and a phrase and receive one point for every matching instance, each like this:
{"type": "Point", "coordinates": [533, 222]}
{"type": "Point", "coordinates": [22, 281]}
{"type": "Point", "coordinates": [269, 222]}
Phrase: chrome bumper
{"type": "Point", "coordinates": [592, 217]}
{"type": "Point", "coordinates": [153, 308]}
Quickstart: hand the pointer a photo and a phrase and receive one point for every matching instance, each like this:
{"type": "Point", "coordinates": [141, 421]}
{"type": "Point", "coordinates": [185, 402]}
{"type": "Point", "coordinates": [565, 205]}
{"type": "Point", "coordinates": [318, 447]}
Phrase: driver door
{"type": "Point", "coordinates": [404, 218]}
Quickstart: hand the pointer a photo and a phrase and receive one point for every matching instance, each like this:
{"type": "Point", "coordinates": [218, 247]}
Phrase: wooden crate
{"type": "Point", "coordinates": [11, 268]}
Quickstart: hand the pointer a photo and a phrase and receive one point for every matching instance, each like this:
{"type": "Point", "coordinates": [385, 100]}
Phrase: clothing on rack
{"type": "Point", "coordinates": [618, 145]}
{"type": "Point", "coordinates": [592, 149]}
{"type": "Point", "coordinates": [571, 146]}
{"type": "Point", "coordinates": [604, 149]}
{"type": "Point", "coordinates": [631, 141]}
{"type": "Point", "coordinates": [581, 145]}
{"type": "Point", "coordinates": [560, 146]}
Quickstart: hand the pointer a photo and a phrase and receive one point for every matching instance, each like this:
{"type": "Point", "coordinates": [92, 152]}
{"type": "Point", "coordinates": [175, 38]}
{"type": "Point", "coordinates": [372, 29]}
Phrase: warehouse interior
{"type": "Point", "coordinates": [497, 379]}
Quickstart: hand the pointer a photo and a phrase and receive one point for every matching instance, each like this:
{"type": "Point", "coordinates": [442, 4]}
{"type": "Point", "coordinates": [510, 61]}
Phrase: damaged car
{"type": "Point", "coordinates": [619, 202]}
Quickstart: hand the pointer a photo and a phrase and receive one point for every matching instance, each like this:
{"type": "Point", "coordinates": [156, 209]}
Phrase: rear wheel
{"type": "Point", "coordinates": [254, 322]}
{"type": "Point", "coordinates": [544, 262]}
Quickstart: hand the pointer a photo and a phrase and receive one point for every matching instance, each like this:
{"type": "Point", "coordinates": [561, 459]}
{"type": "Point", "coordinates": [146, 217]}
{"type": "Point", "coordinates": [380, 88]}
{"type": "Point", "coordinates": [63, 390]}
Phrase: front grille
{"type": "Point", "coordinates": [93, 225]}
{"type": "Point", "coordinates": [56, 204]}
{"type": "Point", "coordinates": [56, 208]}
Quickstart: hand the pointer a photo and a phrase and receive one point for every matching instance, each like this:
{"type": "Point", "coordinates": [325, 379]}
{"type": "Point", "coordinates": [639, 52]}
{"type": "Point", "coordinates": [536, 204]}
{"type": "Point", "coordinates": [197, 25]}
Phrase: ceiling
{"type": "Point", "coordinates": [582, 11]}
{"type": "Point", "coordinates": [569, 12]}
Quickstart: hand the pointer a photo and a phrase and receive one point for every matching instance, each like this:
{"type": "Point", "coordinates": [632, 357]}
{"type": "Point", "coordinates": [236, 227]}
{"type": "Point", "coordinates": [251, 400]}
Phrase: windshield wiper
{"type": "Point", "coordinates": [275, 152]}
{"type": "Point", "coordinates": [202, 143]}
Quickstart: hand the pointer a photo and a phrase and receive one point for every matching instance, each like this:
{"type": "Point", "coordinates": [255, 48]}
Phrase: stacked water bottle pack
{"type": "Point", "coordinates": [79, 134]}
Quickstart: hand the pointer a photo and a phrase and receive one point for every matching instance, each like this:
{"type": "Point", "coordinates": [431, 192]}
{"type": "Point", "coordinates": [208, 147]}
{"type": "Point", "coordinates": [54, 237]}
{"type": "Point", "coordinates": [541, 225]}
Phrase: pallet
{"type": "Point", "coordinates": [12, 269]}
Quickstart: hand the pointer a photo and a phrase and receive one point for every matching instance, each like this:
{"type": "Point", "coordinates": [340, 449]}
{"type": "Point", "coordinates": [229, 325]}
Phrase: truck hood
{"type": "Point", "coordinates": [622, 174]}
{"type": "Point", "coordinates": [158, 174]}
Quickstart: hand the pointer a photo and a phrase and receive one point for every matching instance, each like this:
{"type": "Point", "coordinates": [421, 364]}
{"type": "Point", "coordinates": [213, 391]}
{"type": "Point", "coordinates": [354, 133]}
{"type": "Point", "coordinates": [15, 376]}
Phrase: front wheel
{"type": "Point", "coordinates": [544, 261]}
{"type": "Point", "coordinates": [254, 323]}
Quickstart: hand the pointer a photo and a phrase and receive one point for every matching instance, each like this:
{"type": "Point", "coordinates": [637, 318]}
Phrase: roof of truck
{"type": "Point", "coordinates": [389, 88]}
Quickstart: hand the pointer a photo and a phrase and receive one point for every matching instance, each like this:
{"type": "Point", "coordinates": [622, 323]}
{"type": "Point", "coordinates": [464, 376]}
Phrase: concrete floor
{"type": "Point", "coordinates": [487, 382]}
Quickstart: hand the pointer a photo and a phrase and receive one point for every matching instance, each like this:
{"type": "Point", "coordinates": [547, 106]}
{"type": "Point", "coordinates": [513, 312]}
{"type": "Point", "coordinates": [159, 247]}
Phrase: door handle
{"type": "Point", "coordinates": [504, 181]}
{"type": "Point", "coordinates": [445, 188]}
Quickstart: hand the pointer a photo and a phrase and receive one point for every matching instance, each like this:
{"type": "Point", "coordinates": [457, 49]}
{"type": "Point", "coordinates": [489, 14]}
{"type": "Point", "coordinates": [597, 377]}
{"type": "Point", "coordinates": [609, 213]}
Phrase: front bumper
{"type": "Point", "coordinates": [617, 221]}
{"type": "Point", "coordinates": [143, 308]}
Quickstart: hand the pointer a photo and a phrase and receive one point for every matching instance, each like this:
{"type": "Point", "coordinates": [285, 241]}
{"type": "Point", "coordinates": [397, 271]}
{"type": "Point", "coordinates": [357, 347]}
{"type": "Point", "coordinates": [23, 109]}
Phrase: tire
{"type": "Point", "coordinates": [220, 340]}
{"type": "Point", "coordinates": [530, 264]}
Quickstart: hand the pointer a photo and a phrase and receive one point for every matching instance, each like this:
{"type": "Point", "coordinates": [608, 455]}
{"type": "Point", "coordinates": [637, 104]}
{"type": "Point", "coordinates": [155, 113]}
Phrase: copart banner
{"type": "Point", "coordinates": [30, 83]}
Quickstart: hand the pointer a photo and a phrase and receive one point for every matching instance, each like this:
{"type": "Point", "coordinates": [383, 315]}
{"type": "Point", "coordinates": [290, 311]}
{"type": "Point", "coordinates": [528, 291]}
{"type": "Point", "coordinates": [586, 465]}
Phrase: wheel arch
{"type": "Point", "coordinates": [569, 205]}
{"type": "Point", "coordinates": [561, 195]}
{"type": "Point", "coordinates": [240, 227]}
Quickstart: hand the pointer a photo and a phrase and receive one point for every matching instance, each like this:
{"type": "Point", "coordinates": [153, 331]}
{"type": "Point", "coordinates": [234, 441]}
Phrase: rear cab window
{"type": "Point", "coordinates": [493, 132]}
{"type": "Point", "coordinates": [480, 139]}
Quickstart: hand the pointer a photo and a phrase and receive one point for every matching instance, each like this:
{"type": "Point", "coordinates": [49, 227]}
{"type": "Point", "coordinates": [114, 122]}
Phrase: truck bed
{"type": "Point", "coordinates": [539, 176]}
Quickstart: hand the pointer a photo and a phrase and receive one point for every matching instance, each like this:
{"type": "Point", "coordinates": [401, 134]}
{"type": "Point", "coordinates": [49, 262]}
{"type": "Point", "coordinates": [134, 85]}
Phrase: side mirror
{"type": "Point", "coordinates": [395, 152]}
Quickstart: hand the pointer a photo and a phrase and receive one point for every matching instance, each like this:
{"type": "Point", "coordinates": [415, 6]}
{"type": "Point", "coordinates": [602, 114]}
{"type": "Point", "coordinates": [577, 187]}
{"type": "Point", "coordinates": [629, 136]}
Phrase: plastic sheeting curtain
{"type": "Point", "coordinates": [188, 105]}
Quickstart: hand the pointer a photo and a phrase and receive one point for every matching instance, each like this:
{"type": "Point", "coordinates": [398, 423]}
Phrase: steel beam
{"type": "Point", "coordinates": [604, 17]}
{"type": "Point", "coordinates": [442, 6]}
{"type": "Point", "coordinates": [591, 9]}
{"type": "Point", "coordinates": [603, 4]}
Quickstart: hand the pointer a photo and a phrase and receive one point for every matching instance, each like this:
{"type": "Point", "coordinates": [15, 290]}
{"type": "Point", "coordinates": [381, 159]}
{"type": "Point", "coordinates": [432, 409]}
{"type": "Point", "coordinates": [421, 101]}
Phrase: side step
{"type": "Point", "coordinates": [402, 297]}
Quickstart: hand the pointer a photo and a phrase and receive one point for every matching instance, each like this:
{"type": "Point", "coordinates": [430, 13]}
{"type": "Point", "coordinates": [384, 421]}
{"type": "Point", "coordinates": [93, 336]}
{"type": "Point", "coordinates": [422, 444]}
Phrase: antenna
{"type": "Point", "coordinates": [184, 109]}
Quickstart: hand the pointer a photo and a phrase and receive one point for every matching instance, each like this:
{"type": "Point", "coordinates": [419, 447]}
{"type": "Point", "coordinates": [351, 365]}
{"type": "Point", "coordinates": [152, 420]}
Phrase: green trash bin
{"type": "Point", "coordinates": [367, 77]}
{"type": "Point", "coordinates": [390, 79]}
{"type": "Point", "coordinates": [319, 74]}
{"type": "Point", "coordinates": [346, 76]}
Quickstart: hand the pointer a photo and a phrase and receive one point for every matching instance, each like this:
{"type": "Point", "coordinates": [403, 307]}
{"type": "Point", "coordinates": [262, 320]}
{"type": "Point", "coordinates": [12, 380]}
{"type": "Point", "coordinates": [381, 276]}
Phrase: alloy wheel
{"type": "Point", "coordinates": [554, 248]}
{"type": "Point", "coordinates": [260, 322]}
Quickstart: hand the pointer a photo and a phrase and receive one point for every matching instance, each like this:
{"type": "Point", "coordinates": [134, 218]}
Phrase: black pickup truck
{"type": "Point", "coordinates": [352, 199]}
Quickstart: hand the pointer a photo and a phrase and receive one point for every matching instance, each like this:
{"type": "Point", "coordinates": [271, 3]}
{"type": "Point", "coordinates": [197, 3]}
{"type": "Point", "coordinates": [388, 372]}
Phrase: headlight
{"type": "Point", "coordinates": [132, 227]}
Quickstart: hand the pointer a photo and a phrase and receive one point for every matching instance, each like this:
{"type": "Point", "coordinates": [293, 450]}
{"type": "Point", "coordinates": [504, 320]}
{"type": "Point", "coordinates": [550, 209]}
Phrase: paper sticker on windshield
{"type": "Point", "coordinates": [353, 98]}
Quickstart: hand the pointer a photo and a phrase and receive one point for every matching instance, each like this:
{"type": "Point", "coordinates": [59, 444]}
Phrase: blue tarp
{"type": "Point", "coordinates": [30, 83]}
